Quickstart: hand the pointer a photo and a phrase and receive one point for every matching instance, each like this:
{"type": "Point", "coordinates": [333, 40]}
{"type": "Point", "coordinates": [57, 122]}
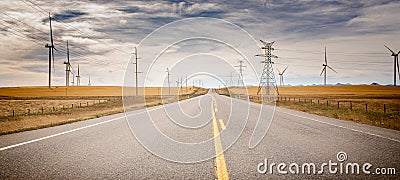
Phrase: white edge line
{"type": "Point", "coordinates": [58, 134]}
{"type": "Point", "coordinates": [355, 130]}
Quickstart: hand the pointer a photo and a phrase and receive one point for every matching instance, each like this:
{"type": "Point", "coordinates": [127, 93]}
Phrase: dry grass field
{"type": "Point", "coordinates": [374, 105]}
{"type": "Point", "coordinates": [86, 91]}
{"type": "Point", "coordinates": [27, 108]}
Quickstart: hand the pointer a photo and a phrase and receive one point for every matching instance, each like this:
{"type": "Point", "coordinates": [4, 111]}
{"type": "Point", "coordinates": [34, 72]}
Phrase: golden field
{"type": "Point", "coordinates": [374, 105]}
{"type": "Point", "coordinates": [27, 108]}
{"type": "Point", "coordinates": [321, 91]}
{"type": "Point", "coordinates": [87, 91]}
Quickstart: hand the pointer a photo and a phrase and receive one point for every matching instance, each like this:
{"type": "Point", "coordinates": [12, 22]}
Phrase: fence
{"type": "Point", "coordinates": [329, 103]}
{"type": "Point", "coordinates": [344, 104]}
{"type": "Point", "coordinates": [53, 109]}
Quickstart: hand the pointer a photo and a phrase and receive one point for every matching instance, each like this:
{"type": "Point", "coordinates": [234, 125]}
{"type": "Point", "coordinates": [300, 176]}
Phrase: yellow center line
{"type": "Point", "coordinates": [221, 170]}
{"type": "Point", "coordinates": [221, 122]}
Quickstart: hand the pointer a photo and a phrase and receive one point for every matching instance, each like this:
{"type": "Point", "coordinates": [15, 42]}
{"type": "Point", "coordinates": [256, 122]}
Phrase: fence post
{"type": "Point", "coordinates": [327, 103]}
{"type": "Point", "coordinates": [311, 101]}
{"type": "Point", "coordinates": [80, 104]}
{"type": "Point", "coordinates": [338, 104]}
{"type": "Point", "coordinates": [351, 105]}
{"type": "Point", "coordinates": [13, 113]}
{"type": "Point", "coordinates": [42, 110]}
{"type": "Point", "coordinates": [318, 101]}
{"type": "Point", "coordinates": [72, 105]}
{"type": "Point", "coordinates": [29, 111]}
{"type": "Point", "coordinates": [384, 108]}
{"type": "Point", "coordinates": [87, 103]}
{"type": "Point", "coordinates": [54, 109]}
{"type": "Point", "coordinates": [366, 107]}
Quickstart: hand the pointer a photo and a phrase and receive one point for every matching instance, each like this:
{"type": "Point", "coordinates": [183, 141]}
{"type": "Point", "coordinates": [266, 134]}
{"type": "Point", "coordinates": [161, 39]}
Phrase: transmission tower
{"type": "Point", "coordinates": [240, 66]}
{"type": "Point", "coordinates": [267, 77]}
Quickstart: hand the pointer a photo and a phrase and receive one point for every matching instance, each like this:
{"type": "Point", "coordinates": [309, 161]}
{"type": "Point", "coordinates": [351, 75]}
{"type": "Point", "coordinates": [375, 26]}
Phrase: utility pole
{"type": "Point", "coordinates": [267, 77]}
{"type": "Point", "coordinates": [169, 85]}
{"type": "Point", "coordinates": [240, 66]}
{"type": "Point", "coordinates": [136, 71]}
{"type": "Point", "coordinates": [186, 85]}
{"type": "Point", "coordinates": [231, 79]}
{"type": "Point", "coordinates": [181, 82]}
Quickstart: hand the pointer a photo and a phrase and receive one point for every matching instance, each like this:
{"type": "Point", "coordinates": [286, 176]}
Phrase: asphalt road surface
{"type": "Point", "coordinates": [107, 148]}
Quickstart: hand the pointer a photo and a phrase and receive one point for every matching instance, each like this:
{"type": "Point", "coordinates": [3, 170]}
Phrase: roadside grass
{"type": "Point", "coordinates": [107, 106]}
{"type": "Point", "coordinates": [372, 105]}
{"type": "Point", "coordinates": [389, 120]}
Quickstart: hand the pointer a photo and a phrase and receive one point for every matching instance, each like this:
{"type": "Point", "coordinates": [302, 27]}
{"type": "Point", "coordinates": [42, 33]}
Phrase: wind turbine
{"type": "Point", "coordinates": [281, 76]}
{"type": "Point", "coordinates": [89, 82]}
{"type": "Point", "coordinates": [51, 51]}
{"type": "Point", "coordinates": [78, 78]}
{"type": "Point", "coordinates": [324, 69]}
{"type": "Point", "coordinates": [396, 63]}
{"type": "Point", "coordinates": [67, 67]}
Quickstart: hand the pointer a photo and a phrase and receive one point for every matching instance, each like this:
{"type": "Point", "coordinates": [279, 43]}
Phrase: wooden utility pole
{"type": "Point", "coordinates": [169, 85]}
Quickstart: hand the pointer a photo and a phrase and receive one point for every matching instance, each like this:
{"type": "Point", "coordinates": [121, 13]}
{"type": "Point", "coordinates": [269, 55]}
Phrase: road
{"type": "Point", "coordinates": [106, 147]}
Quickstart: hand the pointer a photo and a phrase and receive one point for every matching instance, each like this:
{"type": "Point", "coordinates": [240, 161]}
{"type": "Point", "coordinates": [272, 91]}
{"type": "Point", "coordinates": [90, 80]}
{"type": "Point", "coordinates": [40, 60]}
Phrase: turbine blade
{"type": "Point", "coordinates": [284, 70]}
{"type": "Point", "coordinates": [326, 60]}
{"type": "Point", "coordinates": [51, 31]}
{"type": "Point", "coordinates": [332, 69]}
{"type": "Point", "coordinates": [390, 49]}
{"type": "Point", "coordinates": [398, 70]}
{"type": "Point", "coordinates": [323, 69]}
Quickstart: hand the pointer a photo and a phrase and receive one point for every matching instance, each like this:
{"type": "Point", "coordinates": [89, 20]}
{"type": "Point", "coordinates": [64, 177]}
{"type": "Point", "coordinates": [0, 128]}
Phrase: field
{"type": "Point", "coordinates": [85, 91]}
{"type": "Point", "coordinates": [26, 108]}
{"type": "Point", "coordinates": [374, 105]}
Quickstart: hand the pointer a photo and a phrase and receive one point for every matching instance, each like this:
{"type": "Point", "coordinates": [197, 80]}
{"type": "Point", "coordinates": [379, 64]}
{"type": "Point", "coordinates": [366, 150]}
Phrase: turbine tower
{"type": "Point", "coordinates": [267, 77]}
{"type": "Point", "coordinates": [78, 78]}
{"type": "Point", "coordinates": [281, 76]}
{"type": "Point", "coordinates": [67, 67]}
{"type": "Point", "coordinates": [324, 68]}
{"type": "Point", "coordinates": [51, 50]}
{"type": "Point", "coordinates": [89, 84]}
{"type": "Point", "coordinates": [396, 63]}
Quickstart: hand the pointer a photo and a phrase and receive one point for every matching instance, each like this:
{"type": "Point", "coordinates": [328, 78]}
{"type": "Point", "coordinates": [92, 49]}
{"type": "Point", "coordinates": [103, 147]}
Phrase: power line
{"type": "Point", "coordinates": [77, 29]}
{"type": "Point", "coordinates": [23, 36]}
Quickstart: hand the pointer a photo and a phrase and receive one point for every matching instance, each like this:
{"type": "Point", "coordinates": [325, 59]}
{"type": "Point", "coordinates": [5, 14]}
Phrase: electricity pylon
{"type": "Point", "coordinates": [267, 77]}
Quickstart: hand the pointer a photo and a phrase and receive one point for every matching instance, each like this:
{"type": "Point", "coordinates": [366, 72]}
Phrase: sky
{"type": "Point", "coordinates": [201, 40]}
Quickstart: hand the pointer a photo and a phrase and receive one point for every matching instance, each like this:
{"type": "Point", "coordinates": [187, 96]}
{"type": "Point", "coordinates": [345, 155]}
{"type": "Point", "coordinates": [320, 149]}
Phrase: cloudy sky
{"type": "Point", "coordinates": [102, 36]}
